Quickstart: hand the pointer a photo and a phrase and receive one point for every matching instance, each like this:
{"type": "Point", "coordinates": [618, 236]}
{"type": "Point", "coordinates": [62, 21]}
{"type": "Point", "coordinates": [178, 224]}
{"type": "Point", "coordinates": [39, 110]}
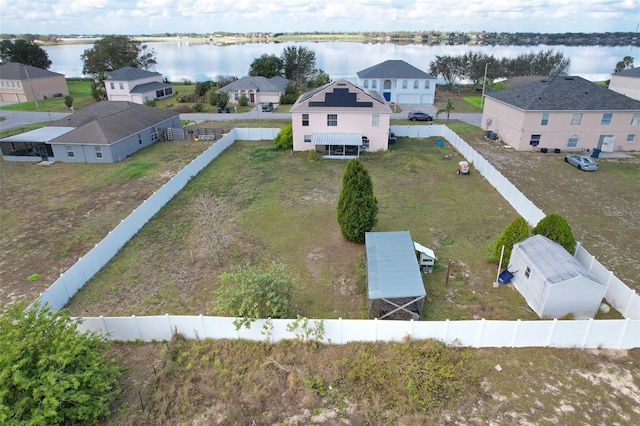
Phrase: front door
{"type": "Point", "coordinates": [252, 97]}
{"type": "Point", "coordinates": [42, 152]}
{"type": "Point", "coordinates": [387, 96]}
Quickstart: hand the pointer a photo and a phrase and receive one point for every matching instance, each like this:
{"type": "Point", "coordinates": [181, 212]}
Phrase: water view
{"type": "Point", "coordinates": [204, 61]}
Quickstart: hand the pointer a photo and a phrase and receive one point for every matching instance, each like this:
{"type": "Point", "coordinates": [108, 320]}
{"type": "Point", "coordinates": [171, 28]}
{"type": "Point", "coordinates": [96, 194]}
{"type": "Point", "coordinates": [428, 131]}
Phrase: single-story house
{"type": "Point", "coordinates": [24, 83]}
{"type": "Point", "coordinates": [626, 82]}
{"type": "Point", "coordinates": [135, 85]}
{"type": "Point", "coordinates": [339, 120]}
{"type": "Point", "coordinates": [105, 132]}
{"type": "Point", "coordinates": [564, 112]}
{"type": "Point", "coordinates": [257, 89]}
{"type": "Point", "coordinates": [399, 82]}
{"type": "Point", "coordinates": [553, 282]}
{"type": "Point", "coordinates": [394, 283]}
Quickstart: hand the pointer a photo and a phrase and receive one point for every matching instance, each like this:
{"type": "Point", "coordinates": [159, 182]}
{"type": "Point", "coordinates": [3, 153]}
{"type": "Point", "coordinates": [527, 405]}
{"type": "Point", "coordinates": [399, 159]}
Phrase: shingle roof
{"type": "Point", "coordinates": [564, 93]}
{"type": "Point", "coordinates": [130, 74]}
{"type": "Point", "coordinates": [633, 72]}
{"type": "Point", "coordinates": [318, 99]}
{"type": "Point", "coordinates": [110, 121]}
{"type": "Point", "coordinates": [393, 68]}
{"type": "Point", "coordinates": [275, 84]}
{"type": "Point", "coordinates": [147, 87]}
{"type": "Point", "coordinates": [16, 71]}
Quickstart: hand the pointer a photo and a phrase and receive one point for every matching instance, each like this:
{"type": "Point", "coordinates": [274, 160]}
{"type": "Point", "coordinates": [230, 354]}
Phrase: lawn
{"type": "Point", "coordinates": [464, 99]}
{"type": "Point", "coordinates": [79, 90]}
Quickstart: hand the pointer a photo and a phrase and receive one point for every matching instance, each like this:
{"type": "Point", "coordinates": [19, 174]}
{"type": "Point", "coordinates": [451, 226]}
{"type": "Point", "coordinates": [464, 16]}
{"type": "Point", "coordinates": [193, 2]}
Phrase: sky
{"type": "Point", "coordinates": [133, 17]}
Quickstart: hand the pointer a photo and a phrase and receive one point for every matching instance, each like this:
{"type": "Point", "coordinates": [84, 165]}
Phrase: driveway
{"type": "Point", "coordinates": [21, 118]}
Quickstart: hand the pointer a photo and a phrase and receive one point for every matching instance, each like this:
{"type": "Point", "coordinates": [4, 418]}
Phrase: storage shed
{"type": "Point", "coordinates": [426, 257]}
{"type": "Point", "coordinates": [394, 282]}
{"type": "Point", "coordinates": [552, 281]}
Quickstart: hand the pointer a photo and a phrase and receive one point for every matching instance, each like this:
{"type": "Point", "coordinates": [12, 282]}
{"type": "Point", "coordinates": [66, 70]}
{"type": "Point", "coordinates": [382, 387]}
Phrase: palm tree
{"type": "Point", "coordinates": [448, 108]}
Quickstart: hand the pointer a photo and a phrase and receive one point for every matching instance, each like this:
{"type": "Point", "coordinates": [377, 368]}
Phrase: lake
{"type": "Point", "coordinates": [205, 61]}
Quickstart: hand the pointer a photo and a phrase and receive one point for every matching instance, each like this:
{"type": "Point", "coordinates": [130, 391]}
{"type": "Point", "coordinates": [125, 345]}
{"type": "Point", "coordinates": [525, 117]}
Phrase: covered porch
{"type": "Point", "coordinates": [338, 145]}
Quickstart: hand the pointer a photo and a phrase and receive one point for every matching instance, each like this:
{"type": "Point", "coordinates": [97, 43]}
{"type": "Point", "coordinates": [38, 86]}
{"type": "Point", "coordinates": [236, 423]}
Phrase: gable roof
{"type": "Point", "coordinates": [551, 260]}
{"type": "Point", "coordinates": [341, 95]}
{"type": "Point", "coordinates": [564, 93]}
{"type": "Point", "coordinates": [277, 84]}
{"type": "Point", "coordinates": [17, 71]}
{"type": "Point", "coordinates": [393, 68]}
{"type": "Point", "coordinates": [130, 74]}
{"type": "Point", "coordinates": [108, 122]}
{"type": "Point", "coordinates": [633, 72]}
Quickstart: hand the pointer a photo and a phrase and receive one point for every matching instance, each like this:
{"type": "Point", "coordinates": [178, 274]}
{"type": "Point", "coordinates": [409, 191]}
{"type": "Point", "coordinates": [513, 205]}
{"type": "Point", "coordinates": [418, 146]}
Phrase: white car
{"type": "Point", "coordinates": [581, 162]}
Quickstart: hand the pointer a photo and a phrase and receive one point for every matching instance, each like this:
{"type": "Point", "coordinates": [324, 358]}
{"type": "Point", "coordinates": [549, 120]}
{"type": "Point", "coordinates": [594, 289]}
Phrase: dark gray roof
{"type": "Point", "coordinates": [393, 68]}
{"type": "Point", "coordinates": [130, 74]}
{"type": "Point", "coordinates": [633, 72]}
{"type": "Point", "coordinates": [110, 121]}
{"type": "Point", "coordinates": [374, 100]}
{"type": "Point", "coordinates": [275, 84]}
{"type": "Point", "coordinates": [564, 93]}
{"type": "Point", "coordinates": [16, 71]}
{"type": "Point", "coordinates": [147, 87]}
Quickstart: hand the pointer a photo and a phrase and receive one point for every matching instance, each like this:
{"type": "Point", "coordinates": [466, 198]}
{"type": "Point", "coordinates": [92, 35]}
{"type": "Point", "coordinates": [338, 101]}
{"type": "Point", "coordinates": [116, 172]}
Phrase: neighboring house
{"type": "Point", "coordinates": [136, 85]}
{"type": "Point", "coordinates": [553, 282]}
{"type": "Point", "coordinates": [626, 82]}
{"type": "Point", "coordinates": [564, 112]}
{"type": "Point", "coordinates": [257, 89]}
{"type": "Point", "coordinates": [23, 83]}
{"type": "Point", "coordinates": [399, 82]}
{"type": "Point", "coordinates": [105, 132]}
{"type": "Point", "coordinates": [339, 120]}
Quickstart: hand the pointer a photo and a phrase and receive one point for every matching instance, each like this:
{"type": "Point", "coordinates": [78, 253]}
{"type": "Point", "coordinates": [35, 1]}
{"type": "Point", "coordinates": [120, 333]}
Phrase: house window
{"type": "Point", "coordinates": [121, 85]}
{"type": "Point", "coordinates": [305, 120]}
{"type": "Point", "coordinates": [545, 119]}
{"type": "Point", "coordinates": [426, 84]}
{"type": "Point", "coordinates": [70, 153]}
{"type": "Point", "coordinates": [332, 120]}
{"type": "Point", "coordinates": [387, 85]}
{"type": "Point", "coordinates": [113, 86]}
{"type": "Point", "coordinates": [2, 83]}
{"type": "Point", "coordinates": [573, 142]}
{"type": "Point", "coordinates": [416, 84]}
{"type": "Point", "coordinates": [527, 272]}
{"type": "Point", "coordinates": [405, 83]}
{"type": "Point", "coordinates": [365, 143]}
{"type": "Point", "coordinates": [159, 93]}
{"type": "Point", "coordinates": [154, 136]}
{"type": "Point", "coordinates": [375, 120]}
{"type": "Point", "coordinates": [635, 120]}
{"type": "Point", "coordinates": [606, 119]}
{"type": "Point", "coordinates": [18, 83]}
{"type": "Point", "coordinates": [307, 138]}
{"type": "Point", "coordinates": [139, 139]}
{"type": "Point", "coordinates": [576, 119]}
{"type": "Point", "coordinates": [366, 84]}
{"type": "Point", "coordinates": [98, 151]}
{"type": "Point", "coordinates": [168, 91]}
{"type": "Point", "coordinates": [374, 84]}
{"type": "Point", "coordinates": [535, 140]}
{"type": "Point", "coordinates": [13, 83]}
{"type": "Point", "coordinates": [631, 137]}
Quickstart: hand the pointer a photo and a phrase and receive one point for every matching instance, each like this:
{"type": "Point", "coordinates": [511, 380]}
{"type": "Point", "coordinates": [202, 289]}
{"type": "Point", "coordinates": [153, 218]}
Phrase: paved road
{"type": "Point", "coordinates": [20, 118]}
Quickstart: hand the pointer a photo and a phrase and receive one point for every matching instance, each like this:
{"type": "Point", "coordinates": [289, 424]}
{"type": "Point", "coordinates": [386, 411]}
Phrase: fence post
{"type": "Point", "coordinates": [375, 329]}
{"type": "Point", "coordinates": [622, 334]}
{"type": "Point", "coordinates": [104, 325]}
{"type": "Point", "coordinates": [446, 331]}
{"type": "Point", "coordinates": [204, 330]}
{"type": "Point", "coordinates": [515, 333]}
{"type": "Point", "coordinates": [135, 322]}
{"type": "Point", "coordinates": [340, 330]}
{"type": "Point", "coordinates": [586, 333]}
{"type": "Point", "coordinates": [169, 322]}
{"type": "Point", "coordinates": [629, 302]}
{"type": "Point", "coordinates": [479, 339]}
{"type": "Point", "coordinates": [553, 328]}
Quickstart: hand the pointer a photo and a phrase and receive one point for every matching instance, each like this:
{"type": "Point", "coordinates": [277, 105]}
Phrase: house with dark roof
{"type": "Point", "coordinates": [626, 82]}
{"type": "Point", "coordinates": [24, 83]}
{"type": "Point", "coordinates": [257, 89]}
{"type": "Point", "coordinates": [339, 120]}
{"type": "Point", "coordinates": [399, 82]}
{"type": "Point", "coordinates": [564, 112]}
{"type": "Point", "coordinates": [135, 85]}
{"type": "Point", "coordinates": [105, 132]}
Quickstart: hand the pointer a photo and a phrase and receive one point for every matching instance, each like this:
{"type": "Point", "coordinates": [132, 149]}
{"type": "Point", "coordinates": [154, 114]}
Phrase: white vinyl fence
{"type": "Point", "coordinates": [477, 333]}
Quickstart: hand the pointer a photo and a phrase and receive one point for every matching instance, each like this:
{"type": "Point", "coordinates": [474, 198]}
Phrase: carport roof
{"type": "Point", "coordinates": [351, 139]}
{"type": "Point", "coordinates": [43, 134]}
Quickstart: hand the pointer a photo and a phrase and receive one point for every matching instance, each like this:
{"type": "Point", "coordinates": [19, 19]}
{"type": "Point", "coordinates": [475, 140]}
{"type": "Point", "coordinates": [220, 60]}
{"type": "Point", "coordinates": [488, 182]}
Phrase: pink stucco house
{"type": "Point", "coordinates": [136, 85]}
{"type": "Point", "coordinates": [339, 120]}
{"type": "Point", "coordinates": [564, 112]}
{"type": "Point", "coordinates": [626, 82]}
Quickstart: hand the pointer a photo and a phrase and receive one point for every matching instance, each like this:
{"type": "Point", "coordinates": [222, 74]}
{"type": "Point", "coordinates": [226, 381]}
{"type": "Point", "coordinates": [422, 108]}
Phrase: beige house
{"type": "Point", "coordinates": [626, 82]}
{"type": "Point", "coordinates": [257, 89]}
{"type": "Point", "coordinates": [24, 83]}
{"type": "Point", "coordinates": [340, 120]}
{"type": "Point", "coordinates": [564, 112]}
{"type": "Point", "coordinates": [135, 85]}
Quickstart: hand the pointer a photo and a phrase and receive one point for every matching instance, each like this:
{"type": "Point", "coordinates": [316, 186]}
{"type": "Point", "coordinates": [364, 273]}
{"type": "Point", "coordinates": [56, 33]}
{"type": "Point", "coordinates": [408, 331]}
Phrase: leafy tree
{"type": "Point", "coordinates": [218, 99]}
{"type": "Point", "coordinates": [319, 79]}
{"type": "Point", "coordinates": [266, 66]}
{"type": "Point", "coordinates": [548, 63]}
{"type": "Point", "coordinates": [515, 232]}
{"type": "Point", "coordinates": [625, 64]}
{"type": "Point", "coordinates": [251, 293]}
{"type": "Point", "coordinates": [223, 80]}
{"type": "Point", "coordinates": [50, 373]}
{"type": "Point", "coordinates": [284, 138]}
{"type": "Point", "coordinates": [202, 87]}
{"type": "Point", "coordinates": [68, 101]}
{"type": "Point", "coordinates": [474, 64]}
{"type": "Point", "coordinates": [114, 52]}
{"type": "Point", "coordinates": [556, 228]}
{"type": "Point", "coordinates": [357, 205]}
{"type": "Point", "coordinates": [243, 100]}
{"type": "Point", "coordinates": [299, 63]}
{"type": "Point", "coordinates": [447, 108]}
{"type": "Point", "coordinates": [450, 68]}
{"type": "Point", "coordinates": [24, 52]}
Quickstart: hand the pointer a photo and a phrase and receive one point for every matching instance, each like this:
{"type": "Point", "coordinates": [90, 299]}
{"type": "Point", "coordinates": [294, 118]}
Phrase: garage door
{"type": "Point", "coordinates": [426, 99]}
{"type": "Point", "coordinates": [405, 98]}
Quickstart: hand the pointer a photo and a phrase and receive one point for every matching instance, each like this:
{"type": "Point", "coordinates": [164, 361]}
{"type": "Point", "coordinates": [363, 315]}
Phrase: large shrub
{"type": "Point", "coordinates": [556, 228]}
{"type": "Point", "coordinates": [357, 205]}
{"type": "Point", "coordinates": [218, 99]}
{"type": "Point", "coordinates": [516, 231]}
{"type": "Point", "coordinates": [284, 138]}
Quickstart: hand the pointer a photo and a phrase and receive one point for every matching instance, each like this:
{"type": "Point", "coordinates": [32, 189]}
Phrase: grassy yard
{"type": "Point", "coordinates": [79, 90]}
{"type": "Point", "coordinates": [464, 99]}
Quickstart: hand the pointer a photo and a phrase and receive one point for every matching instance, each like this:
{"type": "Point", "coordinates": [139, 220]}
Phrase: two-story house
{"type": "Point", "coordinates": [564, 112]}
{"type": "Point", "coordinates": [399, 82]}
{"type": "Point", "coordinates": [136, 85]}
{"type": "Point", "coordinates": [626, 82]}
{"type": "Point", "coordinates": [23, 83]}
{"type": "Point", "coordinates": [339, 120]}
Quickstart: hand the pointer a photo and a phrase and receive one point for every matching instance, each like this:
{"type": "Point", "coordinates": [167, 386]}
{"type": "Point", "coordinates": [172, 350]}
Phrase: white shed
{"type": "Point", "coordinates": [552, 281]}
{"type": "Point", "coordinates": [426, 257]}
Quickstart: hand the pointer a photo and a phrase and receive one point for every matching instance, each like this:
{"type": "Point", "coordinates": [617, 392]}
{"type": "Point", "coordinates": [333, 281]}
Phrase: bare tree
{"type": "Point", "coordinates": [213, 226]}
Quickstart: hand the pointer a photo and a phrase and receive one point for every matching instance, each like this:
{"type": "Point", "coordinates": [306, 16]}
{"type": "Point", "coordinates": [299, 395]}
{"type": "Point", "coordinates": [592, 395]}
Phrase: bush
{"type": "Point", "coordinates": [556, 228]}
{"type": "Point", "coordinates": [183, 109]}
{"type": "Point", "coordinates": [516, 231]}
{"type": "Point", "coordinates": [357, 206]}
{"type": "Point", "coordinates": [68, 101]}
{"type": "Point", "coordinates": [197, 107]}
{"type": "Point", "coordinates": [218, 99]}
{"type": "Point", "coordinates": [284, 138]}
{"type": "Point", "coordinates": [150, 102]}
{"type": "Point", "coordinates": [243, 101]}
{"type": "Point", "coordinates": [288, 98]}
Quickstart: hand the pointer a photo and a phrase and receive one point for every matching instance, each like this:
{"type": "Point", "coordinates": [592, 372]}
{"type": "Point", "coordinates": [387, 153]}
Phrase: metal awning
{"type": "Point", "coordinates": [43, 134]}
{"type": "Point", "coordinates": [352, 139]}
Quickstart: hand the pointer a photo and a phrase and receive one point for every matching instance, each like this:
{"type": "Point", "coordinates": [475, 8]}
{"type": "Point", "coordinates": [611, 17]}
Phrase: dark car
{"type": "Point", "coordinates": [267, 107]}
{"type": "Point", "coordinates": [419, 116]}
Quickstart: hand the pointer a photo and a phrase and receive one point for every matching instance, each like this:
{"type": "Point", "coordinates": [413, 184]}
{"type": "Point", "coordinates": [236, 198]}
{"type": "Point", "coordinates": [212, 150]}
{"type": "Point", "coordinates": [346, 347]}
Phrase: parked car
{"type": "Point", "coordinates": [267, 106]}
{"type": "Point", "coordinates": [419, 116]}
{"type": "Point", "coordinates": [581, 162]}
{"type": "Point", "coordinates": [392, 137]}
